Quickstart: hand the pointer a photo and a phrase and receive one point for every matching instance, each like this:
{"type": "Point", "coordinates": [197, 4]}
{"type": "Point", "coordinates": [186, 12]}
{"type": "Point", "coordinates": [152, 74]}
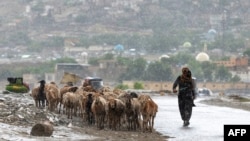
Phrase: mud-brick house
{"type": "Point", "coordinates": [81, 70]}
{"type": "Point", "coordinates": [235, 63]}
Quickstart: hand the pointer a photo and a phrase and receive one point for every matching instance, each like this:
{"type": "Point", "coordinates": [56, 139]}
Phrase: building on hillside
{"type": "Point", "coordinates": [92, 50]}
{"type": "Point", "coordinates": [50, 77]}
{"type": "Point", "coordinates": [235, 63]}
{"type": "Point", "coordinates": [110, 70]}
{"type": "Point", "coordinates": [78, 69]}
{"type": "Point", "coordinates": [202, 56]}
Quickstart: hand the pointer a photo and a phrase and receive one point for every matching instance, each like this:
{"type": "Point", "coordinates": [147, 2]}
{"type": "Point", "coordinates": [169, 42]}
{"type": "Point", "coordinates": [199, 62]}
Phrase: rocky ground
{"type": "Point", "coordinates": [18, 114]}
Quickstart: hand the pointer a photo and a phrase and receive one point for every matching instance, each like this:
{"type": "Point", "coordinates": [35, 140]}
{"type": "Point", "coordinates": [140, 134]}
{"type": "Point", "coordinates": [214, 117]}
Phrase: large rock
{"type": "Point", "coordinates": [42, 129]}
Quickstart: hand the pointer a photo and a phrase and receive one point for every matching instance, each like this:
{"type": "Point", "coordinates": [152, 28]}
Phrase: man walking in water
{"type": "Point", "coordinates": [185, 95]}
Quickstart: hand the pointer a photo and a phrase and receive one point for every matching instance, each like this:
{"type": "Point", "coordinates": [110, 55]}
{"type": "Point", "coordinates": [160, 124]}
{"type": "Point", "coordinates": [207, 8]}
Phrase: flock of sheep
{"type": "Point", "coordinates": [111, 108]}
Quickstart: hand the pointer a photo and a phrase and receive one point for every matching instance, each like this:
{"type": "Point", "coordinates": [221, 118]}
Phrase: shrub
{"type": "Point", "coordinates": [138, 85]}
{"type": "Point", "coordinates": [121, 86]}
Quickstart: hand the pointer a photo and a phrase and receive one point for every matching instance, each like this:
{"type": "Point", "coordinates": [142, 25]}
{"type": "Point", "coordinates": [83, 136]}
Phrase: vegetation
{"type": "Point", "coordinates": [164, 70]}
{"type": "Point", "coordinates": [122, 86]}
{"type": "Point", "coordinates": [145, 29]}
{"type": "Point", "coordinates": [137, 69]}
{"type": "Point", "coordinates": [138, 85]}
{"type": "Point", "coordinates": [37, 68]}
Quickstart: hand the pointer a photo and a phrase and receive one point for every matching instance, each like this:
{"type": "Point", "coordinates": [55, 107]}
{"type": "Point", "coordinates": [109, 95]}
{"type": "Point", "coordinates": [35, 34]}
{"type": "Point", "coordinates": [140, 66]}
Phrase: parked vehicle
{"type": "Point", "coordinates": [204, 92]}
{"type": "Point", "coordinates": [201, 91]}
{"type": "Point", "coordinates": [17, 85]}
{"type": "Point", "coordinates": [94, 82]}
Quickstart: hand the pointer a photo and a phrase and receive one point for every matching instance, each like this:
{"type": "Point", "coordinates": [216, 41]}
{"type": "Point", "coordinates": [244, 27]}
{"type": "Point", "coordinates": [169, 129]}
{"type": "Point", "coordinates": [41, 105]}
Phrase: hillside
{"type": "Point", "coordinates": [74, 17]}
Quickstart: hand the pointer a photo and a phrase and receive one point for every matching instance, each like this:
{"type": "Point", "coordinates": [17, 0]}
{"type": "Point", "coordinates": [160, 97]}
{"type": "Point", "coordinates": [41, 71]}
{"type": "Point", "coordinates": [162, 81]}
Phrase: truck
{"type": "Point", "coordinates": [16, 85]}
{"type": "Point", "coordinates": [95, 82]}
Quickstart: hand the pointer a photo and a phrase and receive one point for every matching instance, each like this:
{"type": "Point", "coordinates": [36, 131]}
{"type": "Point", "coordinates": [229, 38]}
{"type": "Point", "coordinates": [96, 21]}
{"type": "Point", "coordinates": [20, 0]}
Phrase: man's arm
{"type": "Point", "coordinates": [176, 83]}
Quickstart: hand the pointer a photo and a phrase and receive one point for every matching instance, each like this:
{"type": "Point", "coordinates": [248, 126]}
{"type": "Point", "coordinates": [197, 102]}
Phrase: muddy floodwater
{"type": "Point", "coordinates": [207, 122]}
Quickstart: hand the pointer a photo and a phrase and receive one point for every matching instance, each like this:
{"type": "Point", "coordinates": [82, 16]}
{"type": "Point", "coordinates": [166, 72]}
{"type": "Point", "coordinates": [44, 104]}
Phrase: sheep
{"type": "Point", "coordinates": [81, 100]}
{"type": "Point", "coordinates": [34, 95]}
{"type": "Point", "coordinates": [148, 110]}
{"type": "Point", "coordinates": [69, 101]}
{"type": "Point", "coordinates": [134, 95]}
{"type": "Point", "coordinates": [105, 89]}
{"type": "Point", "coordinates": [52, 95]}
{"type": "Point", "coordinates": [116, 109]}
{"type": "Point", "coordinates": [89, 113]}
{"type": "Point", "coordinates": [109, 95]}
{"type": "Point", "coordinates": [118, 91]}
{"type": "Point", "coordinates": [89, 89]}
{"type": "Point", "coordinates": [132, 110]}
{"type": "Point", "coordinates": [64, 90]}
{"type": "Point", "coordinates": [134, 118]}
{"type": "Point", "coordinates": [99, 110]}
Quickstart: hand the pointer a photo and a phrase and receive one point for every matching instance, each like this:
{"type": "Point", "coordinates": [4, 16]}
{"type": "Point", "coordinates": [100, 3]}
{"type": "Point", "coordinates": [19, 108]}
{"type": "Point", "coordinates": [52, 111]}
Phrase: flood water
{"type": "Point", "coordinates": [206, 124]}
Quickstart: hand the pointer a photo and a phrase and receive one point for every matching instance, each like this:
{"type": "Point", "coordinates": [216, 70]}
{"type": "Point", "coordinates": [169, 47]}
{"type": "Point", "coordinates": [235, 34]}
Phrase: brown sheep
{"type": "Point", "coordinates": [82, 98]}
{"type": "Point", "coordinates": [135, 118]}
{"type": "Point", "coordinates": [64, 90]}
{"type": "Point", "coordinates": [132, 111]}
{"type": "Point", "coordinates": [105, 89]}
{"type": "Point", "coordinates": [109, 95]}
{"type": "Point", "coordinates": [89, 89]}
{"type": "Point", "coordinates": [116, 109]}
{"type": "Point", "coordinates": [34, 95]}
{"type": "Point", "coordinates": [69, 102]}
{"type": "Point", "coordinates": [118, 91]}
{"type": "Point", "coordinates": [148, 110]}
{"type": "Point", "coordinates": [52, 95]}
{"type": "Point", "coordinates": [98, 108]}
{"type": "Point", "coordinates": [89, 113]}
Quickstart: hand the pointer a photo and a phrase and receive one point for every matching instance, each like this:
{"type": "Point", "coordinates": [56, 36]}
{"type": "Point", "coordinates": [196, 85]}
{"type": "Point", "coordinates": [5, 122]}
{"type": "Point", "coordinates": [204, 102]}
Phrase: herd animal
{"type": "Point", "coordinates": [110, 108]}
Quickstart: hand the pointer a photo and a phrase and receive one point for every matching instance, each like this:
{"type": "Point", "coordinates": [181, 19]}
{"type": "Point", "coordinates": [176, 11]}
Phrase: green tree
{"type": "Point", "coordinates": [196, 70]}
{"type": "Point", "coordinates": [135, 70]}
{"type": "Point", "coordinates": [108, 56]}
{"type": "Point", "coordinates": [158, 71]}
{"type": "Point", "coordinates": [182, 58]}
{"type": "Point", "coordinates": [208, 70]}
{"type": "Point", "coordinates": [93, 61]}
{"type": "Point", "coordinates": [247, 52]}
{"type": "Point", "coordinates": [123, 61]}
{"type": "Point", "coordinates": [222, 74]}
{"type": "Point", "coordinates": [36, 68]}
{"type": "Point", "coordinates": [19, 38]}
{"type": "Point", "coordinates": [235, 78]}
